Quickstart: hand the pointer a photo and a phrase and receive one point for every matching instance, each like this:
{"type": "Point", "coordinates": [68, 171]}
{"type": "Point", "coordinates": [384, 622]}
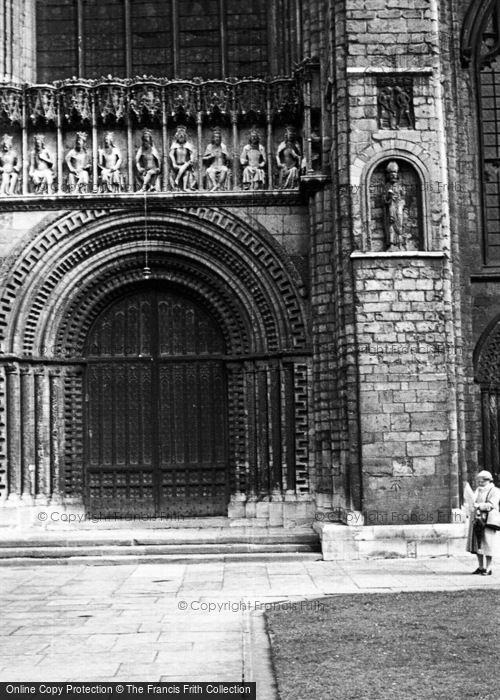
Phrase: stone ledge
{"type": "Point", "coordinates": [389, 70]}
{"type": "Point", "coordinates": [359, 255]}
{"type": "Point", "coordinates": [339, 542]}
{"type": "Point", "coordinates": [96, 200]}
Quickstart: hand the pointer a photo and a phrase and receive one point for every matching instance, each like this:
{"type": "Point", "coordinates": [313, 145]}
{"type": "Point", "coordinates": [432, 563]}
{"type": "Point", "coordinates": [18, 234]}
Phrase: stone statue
{"type": "Point", "coordinates": [79, 166]}
{"type": "Point", "coordinates": [41, 168]}
{"type": "Point", "coordinates": [217, 160]}
{"type": "Point", "coordinates": [182, 157]}
{"type": "Point", "coordinates": [288, 157]}
{"type": "Point", "coordinates": [386, 106]}
{"type": "Point", "coordinates": [109, 163]}
{"type": "Point", "coordinates": [9, 166]}
{"type": "Point", "coordinates": [396, 237]}
{"type": "Point", "coordinates": [253, 160]}
{"type": "Point", "coordinates": [402, 100]}
{"type": "Point", "coordinates": [148, 163]}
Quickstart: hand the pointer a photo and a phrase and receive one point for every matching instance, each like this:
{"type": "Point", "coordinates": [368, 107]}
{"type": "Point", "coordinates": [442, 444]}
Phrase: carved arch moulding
{"type": "Point", "coordinates": [61, 277]}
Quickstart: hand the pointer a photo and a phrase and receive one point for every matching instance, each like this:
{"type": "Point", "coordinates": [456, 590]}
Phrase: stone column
{"type": "Point", "coordinates": [17, 40]}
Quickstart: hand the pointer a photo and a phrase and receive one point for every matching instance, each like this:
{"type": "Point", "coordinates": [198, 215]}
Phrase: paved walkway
{"type": "Point", "coordinates": [171, 622]}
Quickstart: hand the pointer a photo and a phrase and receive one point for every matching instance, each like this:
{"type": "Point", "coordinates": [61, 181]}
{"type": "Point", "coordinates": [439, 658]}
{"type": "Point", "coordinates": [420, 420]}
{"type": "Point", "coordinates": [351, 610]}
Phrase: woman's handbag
{"type": "Point", "coordinates": [493, 520]}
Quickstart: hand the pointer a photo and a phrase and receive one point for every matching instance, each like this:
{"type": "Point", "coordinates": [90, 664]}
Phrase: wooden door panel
{"type": "Point", "coordinates": [192, 438]}
{"type": "Point", "coordinates": [156, 410]}
{"type": "Point", "coordinates": [120, 472]}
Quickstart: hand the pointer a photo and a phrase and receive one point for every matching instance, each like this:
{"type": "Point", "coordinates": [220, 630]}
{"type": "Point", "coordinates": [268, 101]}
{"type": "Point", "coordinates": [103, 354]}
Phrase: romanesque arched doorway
{"type": "Point", "coordinates": [155, 408]}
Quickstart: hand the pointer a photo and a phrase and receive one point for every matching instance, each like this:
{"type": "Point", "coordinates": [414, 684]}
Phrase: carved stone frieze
{"type": "Point", "coordinates": [41, 103]}
{"type": "Point", "coordinates": [145, 101]}
{"type": "Point", "coordinates": [183, 99]}
{"type": "Point", "coordinates": [76, 101]}
{"type": "Point", "coordinates": [216, 97]}
{"type": "Point", "coordinates": [251, 97]}
{"type": "Point", "coordinates": [11, 99]}
{"type": "Point", "coordinates": [82, 137]}
{"type": "Point", "coordinates": [111, 99]}
{"type": "Point", "coordinates": [285, 99]}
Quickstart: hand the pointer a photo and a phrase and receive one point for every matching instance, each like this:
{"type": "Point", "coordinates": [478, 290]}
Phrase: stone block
{"type": "Point", "coordinates": [429, 421]}
{"type": "Point", "coordinates": [424, 466]}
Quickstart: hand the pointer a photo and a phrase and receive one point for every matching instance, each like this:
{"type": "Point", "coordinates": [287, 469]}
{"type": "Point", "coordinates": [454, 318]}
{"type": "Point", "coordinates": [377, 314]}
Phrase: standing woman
{"type": "Point", "coordinates": [483, 541]}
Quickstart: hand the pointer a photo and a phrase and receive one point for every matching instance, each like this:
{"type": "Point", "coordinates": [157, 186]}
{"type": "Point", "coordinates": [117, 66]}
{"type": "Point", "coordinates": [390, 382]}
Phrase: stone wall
{"type": "Point", "coordinates": [406, 405]}
{"type": "Point", "coordinates": [396, 350]}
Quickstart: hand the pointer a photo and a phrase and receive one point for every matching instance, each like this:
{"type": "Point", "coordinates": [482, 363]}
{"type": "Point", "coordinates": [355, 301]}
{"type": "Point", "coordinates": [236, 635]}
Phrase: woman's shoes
{"type": "Point", "coordinates": [479, 571]}
{"type": "Point", "coordinates": [486, 572]}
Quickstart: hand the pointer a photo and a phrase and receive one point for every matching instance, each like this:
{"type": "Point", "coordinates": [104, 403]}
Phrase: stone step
{"type": "Point", "coordinates": [192, 558]}
{"type": "Point", "coordinates": [178, 543]}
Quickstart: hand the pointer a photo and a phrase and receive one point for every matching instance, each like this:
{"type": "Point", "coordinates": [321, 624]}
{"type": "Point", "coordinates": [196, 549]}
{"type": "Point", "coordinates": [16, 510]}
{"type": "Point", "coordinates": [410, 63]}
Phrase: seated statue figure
{"type": "Point", "coordinates": [148, 163]}
{"type": "Point", "coordinates": [79, 165]}
{"type": "Point", "coordinates": [253, 160]}
{"type": "Point", "coordinates": [109, 163]}
{"type": "Point", "coordinates": [9, 166]}
{"type": "Point", "coordinates": [217, 160]}
{"type": "Point", "coordinates": [41, 167]}
{"type": "Point", "coordinates": [288, 157]}
{"type": "Point", "coordinates": [182, 157]}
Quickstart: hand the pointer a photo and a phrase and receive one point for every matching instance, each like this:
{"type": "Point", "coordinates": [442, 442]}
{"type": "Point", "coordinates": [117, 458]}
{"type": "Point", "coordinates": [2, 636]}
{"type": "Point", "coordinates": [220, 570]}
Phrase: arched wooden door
{"type": "Point", "coordinates": [156, 409]}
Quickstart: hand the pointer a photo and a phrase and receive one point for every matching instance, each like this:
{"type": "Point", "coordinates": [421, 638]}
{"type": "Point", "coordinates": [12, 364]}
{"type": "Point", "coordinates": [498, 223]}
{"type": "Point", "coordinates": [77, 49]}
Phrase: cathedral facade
{"type": "Point", "coordinates": [249, 258]}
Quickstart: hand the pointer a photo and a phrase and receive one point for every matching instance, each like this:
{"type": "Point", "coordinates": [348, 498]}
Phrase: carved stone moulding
{"type": "Point", "coordinates": [41, 104]}
{"type": "Point", "coordinates": [251, 98]}
{"type": "Point", "coordinates": [76, 103]}
{"type": "Point", "coordinates": [11, 101]}
{"type": "Point", "coordinates": [145, 101]}
{"type": "Point", "coordinates": [285, 99]}
{"type": "Point", "coordinates": [182, 99]}
{"type": "Point", "coordinates": [111, 100]}
{"type": "Point", "coordinates": [217, 97]}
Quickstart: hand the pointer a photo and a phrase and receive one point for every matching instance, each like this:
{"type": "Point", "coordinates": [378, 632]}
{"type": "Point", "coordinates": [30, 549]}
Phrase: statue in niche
{"type": "Point", "coordinates": [109, 163]}
{"type": "Point", "coordinates": [79, 165]}
{"type": "Point", "coordinates": [148, 163]}
{"type": "Point", "coordinates": [182, 158]}
{"type": "Point", "coordinates": [288, 157]}
{"type": "Point", "coordinates": [217, 160]}
{"type": "Point", "coordinates": [9, 166]}
{"type": "Point", "coordinates": [253, 160]}
{"type": "Point", "coordinates": [396, 236]}
{"type": "Point", "coordinates": [41, 168]}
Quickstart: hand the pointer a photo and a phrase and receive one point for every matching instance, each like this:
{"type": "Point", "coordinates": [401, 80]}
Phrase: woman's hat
{"type": "Point", "coordinates": [485, 475]}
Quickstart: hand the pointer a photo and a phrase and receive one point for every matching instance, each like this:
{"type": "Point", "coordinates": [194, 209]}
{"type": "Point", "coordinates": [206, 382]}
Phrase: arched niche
{"type": "Point", "coordinates": [395, 206]}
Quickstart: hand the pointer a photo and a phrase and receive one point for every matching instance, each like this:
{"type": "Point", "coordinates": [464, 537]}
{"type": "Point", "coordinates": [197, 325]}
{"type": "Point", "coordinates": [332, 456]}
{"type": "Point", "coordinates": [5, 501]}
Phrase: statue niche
{"type": "Point", "coordinates": [217, 161]}
{"type": "Point", "coordinates": [288, 158]}
{"type": "Point", "coordinates": [109, 164]}
{"type": "Point", "coordinates": [9, 166]}
{"type": "Point", "coordinates": [41, 167]}
{"type": "Point", "coordinates": [253, 161]}
{"type": "Point", "coordinates": [147, 163]}
{"type": "Point", "coordinates": [182, 158]}
{"type": "Point", "coordinates": [396, 211]}
{"type": "Point", "coordinates": [79, 165]}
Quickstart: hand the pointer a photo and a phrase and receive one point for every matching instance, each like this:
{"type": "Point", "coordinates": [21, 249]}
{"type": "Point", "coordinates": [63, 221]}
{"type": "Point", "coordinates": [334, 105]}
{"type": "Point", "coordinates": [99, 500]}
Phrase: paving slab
{"type": "Point", "coordinates": [181, 622]}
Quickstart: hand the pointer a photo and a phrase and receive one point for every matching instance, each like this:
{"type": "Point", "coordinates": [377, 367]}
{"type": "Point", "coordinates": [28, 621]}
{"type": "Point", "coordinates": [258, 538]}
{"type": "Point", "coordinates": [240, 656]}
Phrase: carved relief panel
{"type": "Point", "coordinates": [111, 136]}
{"type": "Point", "coordinates": [395, 102]}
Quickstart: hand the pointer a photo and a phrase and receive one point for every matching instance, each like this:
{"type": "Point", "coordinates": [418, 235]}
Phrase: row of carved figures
{"type": "Point", "coordinates": [148, 164]}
